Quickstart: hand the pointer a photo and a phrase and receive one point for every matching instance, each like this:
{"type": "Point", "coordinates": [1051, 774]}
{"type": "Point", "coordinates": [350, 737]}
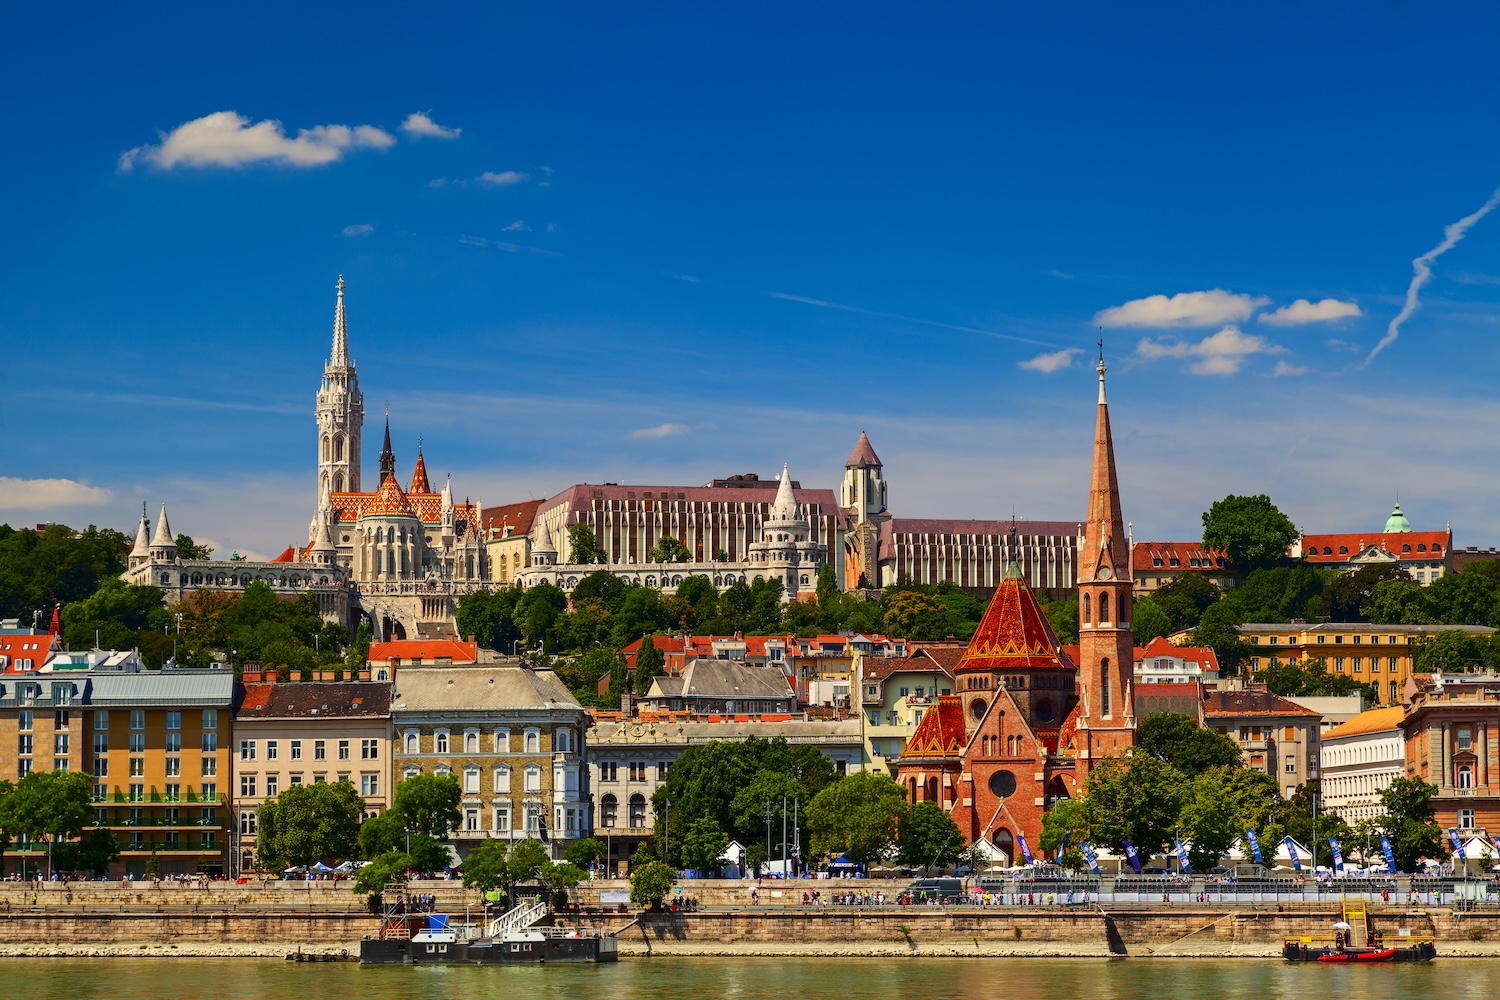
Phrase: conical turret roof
{"type": "Point", "coordinates": [863, 455]}
{"type": "Point", "coordinates": [1013, 633]}
{"type": "Point", "coordinates": [543, 540]}
{"type": "Point", "coordinates": [142, 545]}
{"type": "Point", "coordinates": [163, 537]}
{"type": "Point", "coordinates": [785, 507]}
{"type": "Point", "coordinates": [419, 477]}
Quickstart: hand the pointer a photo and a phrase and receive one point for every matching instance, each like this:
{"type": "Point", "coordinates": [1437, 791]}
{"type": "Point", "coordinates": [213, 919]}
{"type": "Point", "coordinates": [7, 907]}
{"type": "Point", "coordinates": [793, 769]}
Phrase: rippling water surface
{"type": "Point", "coordinates": [733, 978]}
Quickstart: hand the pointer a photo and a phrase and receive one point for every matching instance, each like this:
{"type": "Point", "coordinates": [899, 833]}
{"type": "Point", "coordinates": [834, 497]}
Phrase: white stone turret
{"type": "Point", "coordinates": [340, 416]}
{"type": "Point", "coordinates": [324, 552]}
{"type": "Point", "coordinates": [163, 545]}
{"type": "Point", "coordinates": [449, 524]}
{"type": "Point", "coordinates": [140, 553]}
{"type": "Point", "coordinates": [543, 552]}
{"type": "Point", "coordinates": [784, 550]}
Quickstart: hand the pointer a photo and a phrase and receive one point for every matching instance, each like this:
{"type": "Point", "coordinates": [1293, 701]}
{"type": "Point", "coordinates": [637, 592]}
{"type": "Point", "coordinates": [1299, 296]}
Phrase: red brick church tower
{"type": "Point", "coordinates": [1106, 668]}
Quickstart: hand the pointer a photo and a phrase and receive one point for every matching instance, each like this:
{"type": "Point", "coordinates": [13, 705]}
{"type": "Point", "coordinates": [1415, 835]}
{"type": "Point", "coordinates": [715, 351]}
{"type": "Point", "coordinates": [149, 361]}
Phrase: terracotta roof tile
{"type": "Point", "coordinates": [1250, 703]}
{"type": "Point", "coordinates": [315, 699]}
{"type": "Point", "coordinates": [863, 455]}
{"type": "Point", "coordinates": [1013, 633]}
{"type": "Point", "coordinates": [1173, 556]}
{"type": "Point", "coordinates": [1434, 545]}
{"type": "Point", "coordinates": [941, 732]}
{"type": "Point", "coordinates": [1375, 720]}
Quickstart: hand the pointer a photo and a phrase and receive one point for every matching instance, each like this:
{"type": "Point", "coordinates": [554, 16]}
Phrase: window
{"type": "Point", "coordinates": [502, 741]}
{"type": "Point", "coordinates": [60, 744]}
{"type": "Point", "coordinates": [174, 767]}
{"type": "Point", "coordinates": [502, 819]}
{"type": "Point", "coordinates": [369, 785]}
{"type": "Point", "coordinates": [533, 778]}
{"type": "Point", "coordinates": [1465, 741]}
{"type": "Point", "coordinates": [661, 770]}
{"type": "Point", "coordinates": [637, 770]}
{"type": "Point", "coordinates": [247, 749]}
{"type": "Point", "coordinates": [210, 766]}
{"type": "Point", "coordinates": [533, 741]}
{"type": "Point", "coordinates": [101, 743]}
{"type": "Point", "coordinates": [1338, 664]}
{"type": "Point", "coordinates": [247, 824]}
{"type": "Point", "coordinates": [1466, 819]}
{"type": "Point", "coordinates": [59, 720]}
{"type": "Point", "coordinates": [1465, 776]}
{"type": "Point", "coordinates": [471, 819]}
{"type": "Point", "coordinates": [413, 742]}
{"type": "Point", "coordinates": [320, 749]}
{"type": "Point", "coordinates": [637, 811]}
{"type": "Point", "coordinates": [137, 767]}
{"type": "Point", "coordinates": [368, 749]}
{"type": "Point", "coordinates": [1289, 734]}
{"type": "Point", "coordinates": [174, 720]}
{"type": "Point", "coordinates": [23, 744]}
{"type": "Point", "coordinates": [271, 782]}
{"type": "Point", "coordinates": [563, 741]}
{"type": "Point", "coordinates": [412, 771]}
{"type": "Point", "coordinates": [1291, 766]}
{"type": "Point", "coordinates": [210, 792]}
{"type": "Point", "coordinates": [247, 784]}
{"type": "Point", "coordinates": [320, 779]}
{"type": "Point", "coordinates": [440, 741]}
{"type": "Point", "coordinates": [137, 793]}
{"type": "Point", "coordinates": [1104, 687]}
{"type": "Point", "coordinates": [101, 767]}
{"type": "Point", "coordinates": [137, 718]}
{"type": "Point", "coordinates": [272, 750]}
{"type": "Point", "coordinates": [210, 742]}
{"type": "Point", "coordinates": [137, 742]}
{"type": "Point", "coordinates": [609, 770]}
{"type": "Point", "coordinates": [502, 780]}
{"type": "Point", "coordinates": [24, 722]}
{"type": "Point", "coordinates": [471, 783]}
{"type": "Point", "coordinates": [101, 722]}
{"type": "Point", "coordinates": [210, 718]}
{"type": "Point", "coordinates": [343, 749]}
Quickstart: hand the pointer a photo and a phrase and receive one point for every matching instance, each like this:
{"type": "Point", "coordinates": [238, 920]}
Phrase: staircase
{"type": "Point", "coordinates": [1355, 916]}
{"type": "Point", "coordinates": [517, 919]}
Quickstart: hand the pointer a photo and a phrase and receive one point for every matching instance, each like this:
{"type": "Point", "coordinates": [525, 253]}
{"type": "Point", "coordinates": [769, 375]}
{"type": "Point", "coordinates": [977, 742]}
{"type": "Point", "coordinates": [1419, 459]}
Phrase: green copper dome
{"type": "Point", "coordinates": [1397, 521]}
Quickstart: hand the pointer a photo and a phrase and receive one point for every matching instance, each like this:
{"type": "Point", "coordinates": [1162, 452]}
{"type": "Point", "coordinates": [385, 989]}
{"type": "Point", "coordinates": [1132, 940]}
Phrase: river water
{"type": "Point", "coordinates": [746, 978]}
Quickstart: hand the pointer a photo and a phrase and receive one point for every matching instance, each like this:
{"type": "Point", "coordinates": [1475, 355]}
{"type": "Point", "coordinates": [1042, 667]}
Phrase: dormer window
{"type": "Point", "coordinates": [1343, 550]}
{"type": "Point", "coordinates": [1420, 547]}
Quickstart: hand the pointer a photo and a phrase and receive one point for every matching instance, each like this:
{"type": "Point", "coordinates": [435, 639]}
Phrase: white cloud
{"type": "Point", "coordinates": [1219, 353]}
{"type": "Point", "coordinates": [660, 431]}
{"type": "Point", "coordinates": [420, 125]}
{"type": "Point", "coordinates": [1284, 369]}
{"type": "Point", "coordinates": [503, 179]}
{"type": "Point", "coordinates": [21, 494]}
{"type": "Point", "coordinates": [228, 139]}
{"type": "Point", "coordinates": [1303, 311]}
{"type": "Point", "coordinates": [515, 227]}
{"type": "Point", "coordinates": [1184, 309]}
{"type": "Point", "coordinates": [360, 229]}
{"type": "Point", "coordinates": [1049, 363]}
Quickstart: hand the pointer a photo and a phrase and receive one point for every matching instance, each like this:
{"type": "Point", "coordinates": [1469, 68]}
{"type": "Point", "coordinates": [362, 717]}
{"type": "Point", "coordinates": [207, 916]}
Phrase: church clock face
{"type": "Point", "coordinates": [1105, 573]}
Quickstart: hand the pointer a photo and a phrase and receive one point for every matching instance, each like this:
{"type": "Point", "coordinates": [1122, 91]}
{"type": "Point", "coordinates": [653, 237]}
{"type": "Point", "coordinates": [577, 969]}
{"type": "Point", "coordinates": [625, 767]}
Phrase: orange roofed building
{"type": "Point", "coordinates": [1026, 722]}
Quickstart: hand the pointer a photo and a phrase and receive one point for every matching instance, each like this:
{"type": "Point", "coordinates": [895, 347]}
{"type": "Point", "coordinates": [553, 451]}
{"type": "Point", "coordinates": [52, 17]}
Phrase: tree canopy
{"type": "Point", "coordinates": [1251, 531]}
{"type": "Point", "coordinates": [305, 824]}
{"type": "Point", "coordinates": [858, 815]}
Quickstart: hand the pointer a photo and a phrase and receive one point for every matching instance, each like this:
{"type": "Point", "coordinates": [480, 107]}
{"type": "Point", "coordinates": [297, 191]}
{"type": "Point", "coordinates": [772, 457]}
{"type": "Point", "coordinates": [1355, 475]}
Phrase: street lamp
{"type": "Point", "coordinates": [666, 833]}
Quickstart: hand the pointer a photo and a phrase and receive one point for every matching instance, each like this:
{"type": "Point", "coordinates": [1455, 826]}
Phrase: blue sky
{"type": "Point", "coordinates": [585, 243]}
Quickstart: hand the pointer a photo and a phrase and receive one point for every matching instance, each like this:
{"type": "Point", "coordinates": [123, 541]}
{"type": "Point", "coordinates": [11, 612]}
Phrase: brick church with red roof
{"type": "Point", "coordinates": [1026, 722]}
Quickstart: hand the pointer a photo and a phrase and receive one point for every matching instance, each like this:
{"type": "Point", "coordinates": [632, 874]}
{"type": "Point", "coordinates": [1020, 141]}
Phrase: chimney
{"type": "Point", "coordinates": [364, 675]}
{"type": "Point", "coordinates": [624, 705]}
{"type": "Point", "coordinates": [270, 676]}
{"type": "Point", "coordinates": [250, 676]}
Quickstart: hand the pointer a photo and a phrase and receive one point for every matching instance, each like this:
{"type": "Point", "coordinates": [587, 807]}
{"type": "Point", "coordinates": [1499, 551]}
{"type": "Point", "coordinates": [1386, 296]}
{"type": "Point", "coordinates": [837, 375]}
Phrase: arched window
{"type": "Point", "coordinates": [912, 786]}
{"type": "Point", "coordinates": [932, 789]}
{"type": "Point", "coordinates": [1088, 610]}
{"type": "Point", "coordinates": [338, 482]}
{"type": "Point", "coordinates": [1104, 707]}
{"type": "Point", "coordinates": [1465, 776]}
{"type": "Point", "coordinates": [637, 811]}
{"type": "Point", "coordinates": [1005, 843]}
{"type": "Point", "coordinates": [325, 447]}
{"type": "Point", "coordinates": [564, 741]}
{"type": "Point", "coordinates": [440, 741]}
{"type": "Point", "coordinates": [609, 811]}
{"type": "Point", "coordinates": [412, 744]}
{"type": "Point", "coordinates": [338, 449]}
{"type": "Point", "coordinates": [1104, 607]}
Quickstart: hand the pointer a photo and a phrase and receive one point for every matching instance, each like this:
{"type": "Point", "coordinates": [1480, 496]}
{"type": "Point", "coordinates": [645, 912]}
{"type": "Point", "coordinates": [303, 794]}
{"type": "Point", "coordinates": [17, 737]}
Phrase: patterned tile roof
{"type": "Point", "coordinates": [941, 732]}
{"type": "Point", "coordinates": [427, 507]}
{"type": "Point", "coordinates": [1012, 634]}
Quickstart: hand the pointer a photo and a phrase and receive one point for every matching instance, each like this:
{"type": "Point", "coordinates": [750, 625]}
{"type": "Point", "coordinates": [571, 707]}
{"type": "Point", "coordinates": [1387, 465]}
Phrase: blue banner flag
{"type": "Point", "coordinates": [1130, 855]}
{"type": "Point", "coordinates": [1254, 845]}
{"type": "Point", "coordinates": [1458, 844]}
{"type": "Point", "coordinates": [1390, 857]}
{"type": "Point", "coordinates": [1025, 851]}
{"type": "Point", "coordinates": [1338, 855]}
{"type": "Point", "coordinates": [1291, 849]}
{"type": "Point", "coordinates": [1062, 847]}
{"type": "Point", "coordinates": [1088, 855]}
{"type": "Point", "coordinates": [1496, 841]}
{"type": "Point", "coordinates": [1182, 856]}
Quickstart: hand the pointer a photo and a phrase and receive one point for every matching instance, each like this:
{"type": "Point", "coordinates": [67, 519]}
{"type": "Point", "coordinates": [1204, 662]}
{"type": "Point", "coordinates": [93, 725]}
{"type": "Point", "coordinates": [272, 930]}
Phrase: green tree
{"type": "Point", "coordinates": [490, 616]}
{"type": "Point", "coordinates": [383, 833]}
{"type": "Point", "coordinates": [1408, 821]}
{"type": "Point", "coordinates": [1150, 621]}
{"type": "Point", "coordinates": [428, 805]}
{"type": "Point", "coordinates": [1312, 679]}
{"type": "Point", "coordinates": [650, 882]}
{"type": "Point", "coordinates": [1209, 822]}
{"type": "Point", "coordinates": [1184, 599]}
{"type": "Point", "coordinates": [705, 842]}
{"type": "Point", "coordinates": [928, 837]}
{"type": "Point", "coordinates": [1251, 531]}
{"type": "Point", "coordinates": [586, 853]}
{"type": "Point", "coordinates": [189, 550]}
{"type": "Point", "coordinates": [1070, 819]}
{"type": "Point", "coordinates": [382, 871]}
{"type": "Point", "coordinates": [93, 853]}
{"type": "Point", "coordinates": [603, 586]}
{"type": "Point", "coordinates": [649, 661]}
{"type": "Point", "coordinates": [910, 614]}
{"type": "Point", "coordinates": [828, 586]}
{"type": "Point", "coordinates": [1063, 617]}
{"type": "Point", "coordinates": [51, 806]}
{"type": "Point", "coordinates": [1178, 740]}
{"type": "Point", "coordinates": [305, 824]}
{"type": "Point", "coordinates": [1218, 629]}
{"type": "Point", "coordinates": [858, 815]}
{"type": "Point", "coordinates": [1138, 800]}
{"type": "Point", "coordinates": [537, 611]}
{"type": "Point", "coordinates": [492, 865]}
{"type": "Point", "coordinates": [359, 649]}
{"type": "Point", "coordinates": [1451, 650]}
{"type": "Point", "coordinates": [1345, 598]}
{"type": "Point", "coordinates": [1399, 602]}
{"type": "Point", "coordinates": [583, 545]}
{"type": "Point", "coordinates": [669, 550]}
{"type": "Point", "coordinates": [56, 564]}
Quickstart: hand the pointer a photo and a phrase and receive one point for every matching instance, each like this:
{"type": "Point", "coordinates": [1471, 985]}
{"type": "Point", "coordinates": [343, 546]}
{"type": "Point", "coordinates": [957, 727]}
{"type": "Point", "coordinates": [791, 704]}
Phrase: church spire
{"type": "Point", "coordinates": [339, 358]}
{"type": "Point", "coordinates": [387, 457]}
{"type": "Point", "coordinates": [1104, 553]}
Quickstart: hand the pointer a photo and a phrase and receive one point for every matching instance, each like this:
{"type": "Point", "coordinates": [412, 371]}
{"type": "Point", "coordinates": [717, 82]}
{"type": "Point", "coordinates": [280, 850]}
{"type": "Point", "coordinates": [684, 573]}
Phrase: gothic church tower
{"type": "Point", "coordinates": [340, 416]}
{"type": "Point", "coordinates": [1106, 669]}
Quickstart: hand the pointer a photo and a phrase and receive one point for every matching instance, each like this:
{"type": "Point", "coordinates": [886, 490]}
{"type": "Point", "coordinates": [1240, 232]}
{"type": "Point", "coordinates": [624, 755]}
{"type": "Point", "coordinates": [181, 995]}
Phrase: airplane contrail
{"type": "Point", "coordinates": [1422, 272]}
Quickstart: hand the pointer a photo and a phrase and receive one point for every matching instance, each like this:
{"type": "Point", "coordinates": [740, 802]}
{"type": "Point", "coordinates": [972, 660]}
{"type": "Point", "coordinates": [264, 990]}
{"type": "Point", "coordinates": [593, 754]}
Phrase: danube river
{"type": "Point", "coordinates": [734, 978]}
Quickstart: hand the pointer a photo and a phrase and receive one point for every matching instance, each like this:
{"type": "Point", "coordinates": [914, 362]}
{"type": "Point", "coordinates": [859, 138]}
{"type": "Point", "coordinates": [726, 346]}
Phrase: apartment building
{"type": "Point", "coordinates": [1276, 737]}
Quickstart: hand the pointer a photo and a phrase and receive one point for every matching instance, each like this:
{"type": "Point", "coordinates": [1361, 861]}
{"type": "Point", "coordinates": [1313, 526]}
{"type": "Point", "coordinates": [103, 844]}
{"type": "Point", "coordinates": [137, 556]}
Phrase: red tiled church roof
{"type": "Point", "coordinates": [941, 732]}
{"type": "Point", "coordinates": [419, 477]}
{"type": "Point", "coordinates": [1013, 633]}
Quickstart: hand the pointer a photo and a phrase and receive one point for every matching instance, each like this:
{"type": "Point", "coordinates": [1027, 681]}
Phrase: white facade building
{"type": "Point", "coordinates": [1360, 758]}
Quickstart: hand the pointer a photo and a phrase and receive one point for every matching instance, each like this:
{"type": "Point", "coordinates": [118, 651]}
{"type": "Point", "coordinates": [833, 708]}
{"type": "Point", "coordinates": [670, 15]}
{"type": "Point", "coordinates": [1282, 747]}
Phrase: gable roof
{"type": "Point", "coordinates": [1173, 556]}
{"type": "Point", "coordinates": [1204, 656]}
{"type": "Point", "coordinates": [941, 732]}
{"type": "Point", "coordinates": [425, 650]}
{"type": "Point", "coordinates": [732, 679]}
{"type": "Point", "coordinates": [516, 516]}
{"type": "Point", "coordinates": [477, 689]}
{"type": "Point", "coordinates": [1012, 634]}
{"type": "Point", "coordinates": [923, 659]}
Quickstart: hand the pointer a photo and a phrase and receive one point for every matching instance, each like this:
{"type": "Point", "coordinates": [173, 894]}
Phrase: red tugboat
{"type": "Point", "coordinates": [1353, 944]}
